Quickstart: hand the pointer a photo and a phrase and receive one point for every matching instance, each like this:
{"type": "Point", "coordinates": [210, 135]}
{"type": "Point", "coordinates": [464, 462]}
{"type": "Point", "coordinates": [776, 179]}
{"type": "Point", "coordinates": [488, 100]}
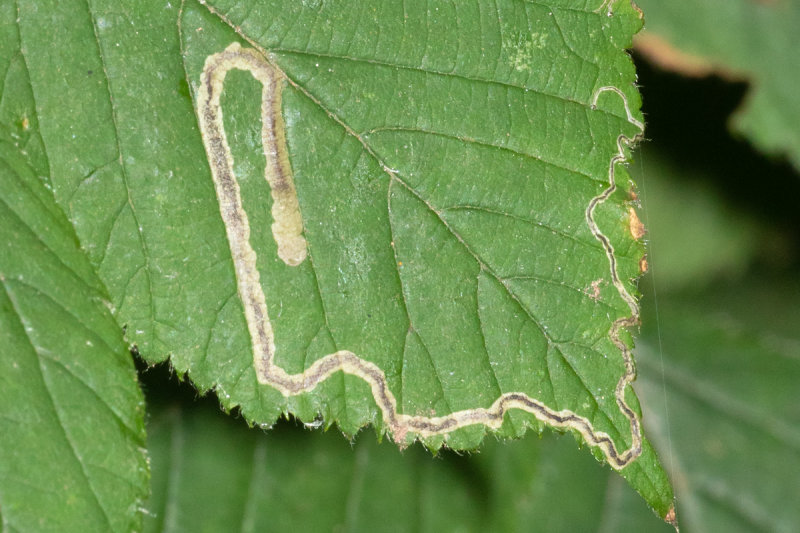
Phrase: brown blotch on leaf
{"type": "Point", "coordinates": [635, 225]}
{"type": "Point", "coordinates": [643, 265]}
{"type": "Point", "coordinates": [671, 518]}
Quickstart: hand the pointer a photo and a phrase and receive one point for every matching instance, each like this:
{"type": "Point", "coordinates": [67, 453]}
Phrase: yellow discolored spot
{"type": "Point", "coordinates": [635, 225]}
{"type": "Point", "coordinates": [26, 124]}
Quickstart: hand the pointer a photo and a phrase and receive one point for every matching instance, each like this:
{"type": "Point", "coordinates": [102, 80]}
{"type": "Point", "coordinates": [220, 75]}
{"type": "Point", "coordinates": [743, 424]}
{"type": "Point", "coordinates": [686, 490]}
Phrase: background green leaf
{"type": "Point", "coordinates": [739, 39]}
{"type": "Point", "coordinates": [71, 412]}
{"type": "Point", "coordinates": [724, 406]}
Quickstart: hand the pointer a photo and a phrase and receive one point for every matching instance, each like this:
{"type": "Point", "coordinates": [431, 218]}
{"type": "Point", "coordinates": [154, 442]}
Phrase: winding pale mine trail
{"type": "Point", "coordinates": [287, 230]}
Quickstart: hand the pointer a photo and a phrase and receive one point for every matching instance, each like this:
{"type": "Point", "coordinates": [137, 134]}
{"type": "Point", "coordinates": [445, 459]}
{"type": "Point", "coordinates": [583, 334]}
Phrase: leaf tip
{"type": "Point", "coordinates": [671, 517]}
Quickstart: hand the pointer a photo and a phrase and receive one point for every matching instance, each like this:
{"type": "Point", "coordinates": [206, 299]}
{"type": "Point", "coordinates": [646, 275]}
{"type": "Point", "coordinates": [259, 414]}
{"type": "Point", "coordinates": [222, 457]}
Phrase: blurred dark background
{"type": "Point", "coordinates": [687, 120]}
